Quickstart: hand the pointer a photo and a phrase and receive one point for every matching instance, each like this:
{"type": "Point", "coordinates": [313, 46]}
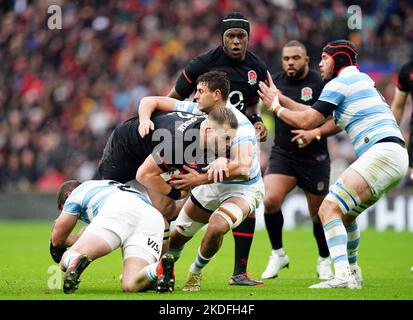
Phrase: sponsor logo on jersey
{"type": "Point", "coordinates": [252, 77]}
{"type": "Point", "coordinates": [411, 76]}
{"type": "Point", "coordinates": [320, 186]}
{"type": "Point", "coordinates": [306, 94]}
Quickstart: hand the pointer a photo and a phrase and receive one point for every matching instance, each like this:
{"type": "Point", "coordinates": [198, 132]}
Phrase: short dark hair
{"type": "Point", "coordinates": [223, 115]}
{"type": "Point", "coordinates": [216, 80]}
{"type": "Point", "coordinates": [295, 43]}
{"type": "Point", "coordinates": [64, 191]}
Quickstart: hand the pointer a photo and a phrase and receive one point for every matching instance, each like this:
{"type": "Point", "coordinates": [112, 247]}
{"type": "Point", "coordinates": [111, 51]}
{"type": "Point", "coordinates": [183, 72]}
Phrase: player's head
{"type": "Point", "coordinates": [295, 60]}
{"type": "Point", "coordinates": [337, 55]}
{"type": "Point", "coordinates": [219, 130]}
{"type": "Point", "coordinates": [235, 30]}
{"type": "Point", "coordinates": [212, 90]}
{"type": "Point", "coordinates": [64, 191]}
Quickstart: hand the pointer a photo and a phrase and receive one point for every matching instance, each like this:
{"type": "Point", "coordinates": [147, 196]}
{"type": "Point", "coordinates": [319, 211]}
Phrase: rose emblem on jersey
{"type": "Point", "coordinates": [306, 94]}
{"type": "Point", "coordinates": [252, 77]}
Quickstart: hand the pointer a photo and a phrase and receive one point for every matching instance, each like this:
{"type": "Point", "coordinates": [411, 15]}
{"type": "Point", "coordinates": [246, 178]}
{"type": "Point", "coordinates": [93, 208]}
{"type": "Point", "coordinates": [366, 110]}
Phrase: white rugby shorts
{"type": "Point", "coordinates": [211, 196]}
{"type": "Point", "coordinates": [138, 225]}
{"type": "Point", "coordinates": [383, 166]}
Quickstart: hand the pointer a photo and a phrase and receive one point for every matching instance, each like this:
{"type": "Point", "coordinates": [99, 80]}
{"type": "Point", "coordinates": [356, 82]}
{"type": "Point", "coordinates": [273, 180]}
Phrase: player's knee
{"type": "Point", "coordinates": [272, 203]}
{"type": "Point", "coordinates": [186, 226]}
{"type": "Point", "coordinates": [231, 213]}
{"type": "Point", "coordinates": [217, 227]}
{"type": "Point", "coordinates": [328, 209]}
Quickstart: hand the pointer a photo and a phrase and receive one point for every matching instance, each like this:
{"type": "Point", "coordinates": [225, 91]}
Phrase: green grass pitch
{"type": "Point", "coordinates": [385, 258]}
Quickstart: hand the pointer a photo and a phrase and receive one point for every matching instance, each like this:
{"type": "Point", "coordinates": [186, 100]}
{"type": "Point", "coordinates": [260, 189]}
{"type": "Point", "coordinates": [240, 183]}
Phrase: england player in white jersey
{"type": "Point", "coordinates": [382, 160]}
{"type": "Point", "coordinates": [230, 191]}
{"type": "Point", "coordinates": [117, 216]}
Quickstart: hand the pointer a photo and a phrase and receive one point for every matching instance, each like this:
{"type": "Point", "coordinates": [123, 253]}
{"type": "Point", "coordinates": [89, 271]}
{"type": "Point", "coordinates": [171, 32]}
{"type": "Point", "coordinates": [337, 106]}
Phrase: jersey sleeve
{"type": "Point", "coordinates": [186, 83]}
{"type": "Point", "coordinates": [334, 92]}
{"type": "Point", "coordinates": [72, 205]}
{"type": "Point", "coordinates": [403, 80]}
{"type": "Point", "coordinates": [187, 106]}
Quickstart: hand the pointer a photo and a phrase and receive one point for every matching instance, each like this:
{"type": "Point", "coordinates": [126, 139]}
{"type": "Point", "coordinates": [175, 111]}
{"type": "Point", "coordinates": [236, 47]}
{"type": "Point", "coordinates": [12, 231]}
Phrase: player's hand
{"type": "Point", "coordinates": [262, 131]}
{"type": "Point", "coordinates": [56, 252]}
{"type": "Point", "coordinates": [303, 137]}
{"type": "Point", "coordinates": [268, 92]}
{"type": "Point", "coordinates": [144, 127]}
{"type": "Point", "coordinates": [217, 169]}
{"type": "Point", "coordinates": [191, 179]}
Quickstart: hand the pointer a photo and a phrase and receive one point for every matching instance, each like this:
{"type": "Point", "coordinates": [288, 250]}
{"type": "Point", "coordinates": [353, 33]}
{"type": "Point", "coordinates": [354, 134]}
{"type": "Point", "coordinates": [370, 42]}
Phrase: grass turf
{"type": "Point", "coordinates": [385, 258]}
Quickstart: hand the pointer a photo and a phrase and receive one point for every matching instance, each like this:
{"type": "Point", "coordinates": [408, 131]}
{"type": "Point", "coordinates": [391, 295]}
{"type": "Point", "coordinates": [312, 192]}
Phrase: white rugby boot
{"type": "Point", "coordinates": [348, 282]}
{"type": "Point", "coordinates": [324, 271]}
{"type": "Point", "coordinates": [357, 274]}
{"type": "Point", "coordinates": [275, 264]}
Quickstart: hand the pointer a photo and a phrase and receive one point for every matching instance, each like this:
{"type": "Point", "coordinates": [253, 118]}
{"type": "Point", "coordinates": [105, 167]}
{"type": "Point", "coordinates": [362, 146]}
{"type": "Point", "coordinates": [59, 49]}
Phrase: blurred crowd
{"type": "Point", "coordinates": [62, 91]}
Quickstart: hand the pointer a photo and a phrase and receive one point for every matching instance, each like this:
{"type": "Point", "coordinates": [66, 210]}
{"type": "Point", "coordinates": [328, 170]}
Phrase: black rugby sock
{"type": "Point", "coordinates": [243, 235]}
{"type": "Point", "coordinates": [318, 232]}
{"type": "Point", "coordinates": [274, 223]}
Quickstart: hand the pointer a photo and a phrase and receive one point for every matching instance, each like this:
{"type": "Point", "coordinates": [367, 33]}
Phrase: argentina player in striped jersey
{"type": "Point", "coordinates": [231, 189]}
{"type": "Point", "coordinates": [382, 161]}
{"type": "Point", "coordinates": [117, 216]}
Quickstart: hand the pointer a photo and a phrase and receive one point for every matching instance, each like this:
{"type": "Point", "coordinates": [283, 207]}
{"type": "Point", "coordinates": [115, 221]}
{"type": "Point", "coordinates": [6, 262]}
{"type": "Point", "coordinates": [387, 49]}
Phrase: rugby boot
{"type": "Point", "coordinates": [166, 274]}
{"type": "Point", "coordinates": [73, 272]}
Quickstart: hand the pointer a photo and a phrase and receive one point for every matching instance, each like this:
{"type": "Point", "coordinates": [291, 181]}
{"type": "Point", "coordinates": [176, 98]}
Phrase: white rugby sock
{"type": "Point", "coordinates": [336, 237]}
{"type": "Point", "coordinates": [353, 242]}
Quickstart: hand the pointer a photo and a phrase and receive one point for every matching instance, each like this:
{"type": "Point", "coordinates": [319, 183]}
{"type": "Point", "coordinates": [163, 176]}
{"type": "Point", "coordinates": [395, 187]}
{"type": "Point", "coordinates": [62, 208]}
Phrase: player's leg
{"type": "Point", "coordinates": [243, 236]}
{"type": "Point", "coordinates": [228, 216]}
{"type": "Point", "coordinates": [141, 252]}
{"type": "Point", "coordinates": [191, 218]}
{"type": "Point", "coordinates": [323, 269]}
{"type": "Point", "coordinates": [277, 186]}
{"type": "Point", "coordinates": [315, 181]}
{"type": "Point", "coordinates": [376, 172]}
{"type": "Point", "coordinates": [94, 243]}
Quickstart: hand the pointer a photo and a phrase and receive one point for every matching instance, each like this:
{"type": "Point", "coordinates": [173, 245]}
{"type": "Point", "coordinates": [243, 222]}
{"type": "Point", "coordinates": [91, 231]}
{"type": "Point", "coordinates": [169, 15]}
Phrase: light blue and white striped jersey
{"type": "Point", "coordinates": [361, 110]}
{"type": "Point", "coordinates": [245, 134]}
{"type": "Point", "coordinates": [86, 200]}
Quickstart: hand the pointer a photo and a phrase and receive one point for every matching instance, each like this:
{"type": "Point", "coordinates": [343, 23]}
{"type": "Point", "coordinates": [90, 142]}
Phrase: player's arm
{"type": "Point", "coordinates": [253, 114]}
{"type": "Point", "coordinates": [219, 170]}
{"type": "Point", "coordinates": [147, 106]}
{"type": "Point", "coordinates": [149, 175]}
{"type": "Point", "coordinates": [61, 233]}
{"type": "Point", "coordinates": [305, 137]}
{"type": "Point", "coordinates": [398, 104]}
{"type": "Point", "coordinates": [185, 85]}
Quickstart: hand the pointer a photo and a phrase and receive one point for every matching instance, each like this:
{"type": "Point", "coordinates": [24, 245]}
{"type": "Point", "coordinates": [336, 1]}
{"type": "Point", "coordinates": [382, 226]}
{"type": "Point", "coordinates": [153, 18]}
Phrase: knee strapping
{"type": "Point", "coordinates": [186, 225]}
{"type": "Point", "coordinates": [231, 213]}
{"type": "Point", "coordinates": [346, 198]}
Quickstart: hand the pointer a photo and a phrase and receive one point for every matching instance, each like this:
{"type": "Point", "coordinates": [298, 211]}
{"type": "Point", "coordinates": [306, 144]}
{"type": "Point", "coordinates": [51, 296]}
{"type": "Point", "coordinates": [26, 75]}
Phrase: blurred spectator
{"type": "Point", "coordinates": [63, 91]}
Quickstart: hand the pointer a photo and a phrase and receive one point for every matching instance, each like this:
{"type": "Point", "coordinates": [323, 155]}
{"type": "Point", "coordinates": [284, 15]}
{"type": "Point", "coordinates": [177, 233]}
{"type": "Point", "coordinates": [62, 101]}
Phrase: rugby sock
{"type": "Point", "coordinates": [151, 271]}
{"type": "Point", "coordinates": [70, 258]}
{"type": "Point", "coordinates": [319, 236]}
{"type": "Point", "coordinates": [274, 223]}
{"type": "Point", "coordinates": [200, 262]}
{"type": "Point", "coordinates": [176, 252]}
{"type": "Point", "coordinates": [336, 237]}
{"type": "Point", "coordinates": [243, 236]}
{"type": "Point", "coordinates": [353, 236]}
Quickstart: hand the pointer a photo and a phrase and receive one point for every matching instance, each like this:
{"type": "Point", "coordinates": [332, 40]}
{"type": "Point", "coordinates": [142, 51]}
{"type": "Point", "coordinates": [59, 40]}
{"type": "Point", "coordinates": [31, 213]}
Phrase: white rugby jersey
{"type": "Point", "coordinates": [86, 200]}
{"type": "Point", "coordinates": [361, 109]}
{"type": "Point", "coordinates": [245, 134]}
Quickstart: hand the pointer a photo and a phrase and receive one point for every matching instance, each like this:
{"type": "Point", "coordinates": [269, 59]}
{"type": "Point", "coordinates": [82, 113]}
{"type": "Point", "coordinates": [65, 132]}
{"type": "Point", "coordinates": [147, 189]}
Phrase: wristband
{"type": "Point", "coordinates": [174, 194]}
{"type": "Point", "coordinates": [281, 109]}
{"type": "Point", "coordinates": [254, 118]}
{"type": "Point", "coordinates": [275, 103]}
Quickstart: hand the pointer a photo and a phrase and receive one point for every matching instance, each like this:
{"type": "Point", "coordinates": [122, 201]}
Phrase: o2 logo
{"type": "Point", "coordinates": [236, 99]}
